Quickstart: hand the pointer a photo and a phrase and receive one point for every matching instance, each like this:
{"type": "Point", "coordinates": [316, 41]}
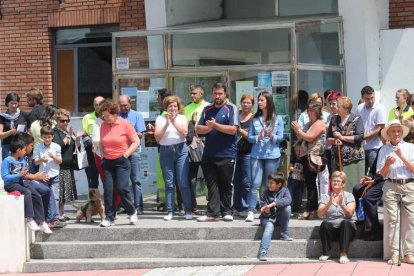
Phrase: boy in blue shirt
{"type": "Point", "coordinates": [14, 172]}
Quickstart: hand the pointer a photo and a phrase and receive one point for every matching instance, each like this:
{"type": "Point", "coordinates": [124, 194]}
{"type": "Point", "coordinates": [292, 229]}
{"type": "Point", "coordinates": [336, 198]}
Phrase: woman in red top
{"type": "Point", "coordinates": [119, 140]}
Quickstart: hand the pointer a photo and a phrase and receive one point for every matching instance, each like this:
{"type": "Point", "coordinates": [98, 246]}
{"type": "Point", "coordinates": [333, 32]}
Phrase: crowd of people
{"type": "Point", "coordinates": [346, 161]}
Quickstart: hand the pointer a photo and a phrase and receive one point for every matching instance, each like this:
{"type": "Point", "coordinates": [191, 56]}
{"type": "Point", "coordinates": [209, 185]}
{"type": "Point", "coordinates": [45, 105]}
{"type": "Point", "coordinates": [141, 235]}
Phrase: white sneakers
{"type": "Point", "coordinates": [250, 217]}
{"type": "Point", "coordinates": [189, 216]}
{"type": "Point", "coordinates": [33, 225]}
{"type": "Point", "coordinates": [323, 258]}
{"type": "Point", "coordinates": [107, 223]}
{"type": "Point", "coordinates": [133, 218]}
{"type": "Point", "coordinates": [228, 218]}
{"type": "Point", "coordinates": [169, 217]}
{"type": "Point", "coordinates": [45, 228]}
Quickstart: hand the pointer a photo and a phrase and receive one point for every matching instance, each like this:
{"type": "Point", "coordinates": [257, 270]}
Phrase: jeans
{"type": "Point", "coordinates": [282, 219]}
{"type": "Point", "coordinates": [45, 193]}
{"type": "Point", "coordinates": [219, 175]}
{"type": "Point", "coordinates": [120, 170]}
{"type": "Point", "coordinates": [370, 156]}
{"type": "Point", "coordinates": [261, 169]}
{"type": "Point", "coordinates": [135, 160]}
{"type": "Point", "coordinates": [242, 182]}
{"type": "Point", "coordinates": [296, 192]}
{"type": "Point", "coordinates": [174, 166]}
{"type": "Point", "coordinates": [51, 190]}
{"type": "Point", "coordinates": [91, 171]}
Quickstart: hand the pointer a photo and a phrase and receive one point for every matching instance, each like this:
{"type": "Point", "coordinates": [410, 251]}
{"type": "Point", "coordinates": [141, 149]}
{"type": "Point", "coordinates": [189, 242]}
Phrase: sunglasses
{"type": "Point", "coordinates": [64, 121]}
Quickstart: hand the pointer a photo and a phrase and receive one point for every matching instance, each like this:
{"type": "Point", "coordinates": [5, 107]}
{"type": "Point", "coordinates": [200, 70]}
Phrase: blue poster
{"type": "Point", "coordinates": [264, 79]}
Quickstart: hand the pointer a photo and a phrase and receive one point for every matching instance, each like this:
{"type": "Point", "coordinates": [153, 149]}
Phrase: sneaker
{"type": "Point", "coordinates": [286, 238]}
{"type": "Point", "coordinates": [107, 223]}
{"type": "Point", "coordinates": [32, 225]}
{"type": "Point", "coordinates": [228, 218]}
{"type": "Point", "coordinates": [393, 260]}
{"type": "Point", "coordinates": [206, 218]}
{"type": "Point", "coordinates": [181, 213]}
{"type": "Point", "coordinates": [56, 224]}
{"type": "Point", "coordinates": [263, 256]}
{"type": "Point", "coordinates": [250, 217]}
{"type": "Point", "coordinates": [169, 217]}
{"type": "Point", "coordinates": [45, 228]}
{"type": "Point", "coordinates": [189, 216]}
{"type": "Point", "coordinates": [323, 258]}
{"type": "Point", "coordinates": [140, 212]}
{"type": "Point", "coordinates": [133, 218]}
{"type": "Point", "coordinates": [409, 259]}
{"type": "Point", "coordinates": [343, 260]}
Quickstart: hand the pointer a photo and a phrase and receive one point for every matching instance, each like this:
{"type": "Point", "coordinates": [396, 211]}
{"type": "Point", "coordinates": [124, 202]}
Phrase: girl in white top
{"type": "Point", "coordinates": [170, 132]}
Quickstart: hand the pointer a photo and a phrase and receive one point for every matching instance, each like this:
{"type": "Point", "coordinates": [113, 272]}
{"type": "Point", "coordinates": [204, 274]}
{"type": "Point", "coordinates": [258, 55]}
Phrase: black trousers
{"type": "Point", "coordinates": [218, 173]}
{"type": "Point", "coordinates": [344, 234]}
{"type": "Point", "coordinates": [311, 189]}
{"type": "Point", "coordinates": [370, 201]}
{"type": "Point", "coordinates": [91, 171]}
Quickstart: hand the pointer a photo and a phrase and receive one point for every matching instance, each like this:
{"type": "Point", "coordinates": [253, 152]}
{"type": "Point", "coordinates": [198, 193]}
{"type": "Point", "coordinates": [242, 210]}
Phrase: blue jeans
{"type": "Point", "coordinates": [135, 160]}
{"type": "Point", "coordinates": [242, 182]}
{"type": "Point", "coordinates": [51, 188]}
{"type": "Point", "coordinates": [174, 166]}
{"type": "Point", "coordinates": [261, 169]}
{"type": "Point", "coordinates": [282, 219]}
{"type": "Point", "coordinates": [296, 192]}
{"type": "Point", "coordinates": [120, 170]}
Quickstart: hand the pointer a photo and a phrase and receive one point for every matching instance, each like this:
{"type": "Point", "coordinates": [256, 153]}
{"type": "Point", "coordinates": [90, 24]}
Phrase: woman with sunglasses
{"type": "Point", "coordinates": [65, 138]}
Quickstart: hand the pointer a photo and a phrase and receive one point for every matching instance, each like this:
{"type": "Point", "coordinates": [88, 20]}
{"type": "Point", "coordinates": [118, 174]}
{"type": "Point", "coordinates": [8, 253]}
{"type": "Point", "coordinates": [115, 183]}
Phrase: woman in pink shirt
{"type": "Point", "coordinates": [119, 140]}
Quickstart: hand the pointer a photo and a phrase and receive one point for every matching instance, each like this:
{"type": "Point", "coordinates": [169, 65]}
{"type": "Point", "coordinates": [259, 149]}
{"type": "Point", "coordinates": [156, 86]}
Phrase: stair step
{"type": "Point", "coordinates": [299, 248]}
{"type": "Point", "coordinates": [56, 265]}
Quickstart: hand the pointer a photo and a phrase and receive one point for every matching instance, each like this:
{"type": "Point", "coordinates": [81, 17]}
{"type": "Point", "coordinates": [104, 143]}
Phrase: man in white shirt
{"type": "Point", "coordinates": [374, 117]}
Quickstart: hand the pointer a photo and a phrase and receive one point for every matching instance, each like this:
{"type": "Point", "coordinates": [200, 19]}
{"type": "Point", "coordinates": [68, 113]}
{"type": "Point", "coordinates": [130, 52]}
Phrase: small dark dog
{"type": "Point", "coordinates": [92, 208]}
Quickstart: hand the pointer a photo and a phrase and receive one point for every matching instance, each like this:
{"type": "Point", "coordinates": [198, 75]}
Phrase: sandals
{"type": "Point", "coordinates": [306, 216]}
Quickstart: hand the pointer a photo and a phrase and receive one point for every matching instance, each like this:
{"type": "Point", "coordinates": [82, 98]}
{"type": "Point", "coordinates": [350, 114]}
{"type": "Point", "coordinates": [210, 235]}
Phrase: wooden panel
{"type": "Point", "coordinates": [65, 79]}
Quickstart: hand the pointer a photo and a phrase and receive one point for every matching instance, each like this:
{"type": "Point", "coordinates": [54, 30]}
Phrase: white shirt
{"type": "Point", "coordinates": [171, 135]}
{"type": "Point", "coordinates": [96, 137]}
{"type": "Point", "coordinates": [397, 170]}
{"type": "Point", "coordinates": [371, 117]}
{"type": "Point", "coordinates": [50, 167]}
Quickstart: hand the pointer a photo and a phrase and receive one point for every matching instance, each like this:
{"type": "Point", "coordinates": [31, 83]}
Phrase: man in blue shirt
{"type": "Point", "coordinates": [137, 121]}
{"type": "Point", "coordinates": [218, 123]}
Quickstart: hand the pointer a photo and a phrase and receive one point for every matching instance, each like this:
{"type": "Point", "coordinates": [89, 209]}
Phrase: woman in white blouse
{"type": "Point", "coordinates": [170, 132]}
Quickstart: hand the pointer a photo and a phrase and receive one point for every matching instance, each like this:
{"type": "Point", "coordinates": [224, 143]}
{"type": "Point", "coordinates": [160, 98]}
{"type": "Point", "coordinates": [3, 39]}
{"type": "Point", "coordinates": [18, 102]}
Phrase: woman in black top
{"type": "Point", "coordinates": [10, 121]}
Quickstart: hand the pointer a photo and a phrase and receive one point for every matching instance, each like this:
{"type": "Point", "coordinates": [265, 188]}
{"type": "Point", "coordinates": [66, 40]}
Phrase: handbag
{"type": "Point", "coordinates": [196, 149]}
{"type": "Point", "coordinates": [80, 157]}
{"type": "Point", "coordinates": [316, 163]}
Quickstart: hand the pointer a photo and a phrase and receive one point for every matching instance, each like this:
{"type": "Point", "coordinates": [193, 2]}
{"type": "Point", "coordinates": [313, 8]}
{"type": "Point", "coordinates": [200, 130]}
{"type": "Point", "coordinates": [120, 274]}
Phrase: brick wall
{"type": "Point", "coordinates": [401, 14]}
{"type": "Point", "coordinates": [26, 28]}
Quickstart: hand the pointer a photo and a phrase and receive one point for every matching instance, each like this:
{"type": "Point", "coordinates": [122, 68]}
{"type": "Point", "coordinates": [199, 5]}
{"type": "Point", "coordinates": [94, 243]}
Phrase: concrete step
{"type": "Point", "coordinates": [299, 248]}
{"type": "Point", "coordinates": [56, 265]}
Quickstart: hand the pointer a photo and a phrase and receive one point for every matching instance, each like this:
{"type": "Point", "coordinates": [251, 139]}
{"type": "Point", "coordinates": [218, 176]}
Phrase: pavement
{"type": "Point", "coordinates": [365, 268]}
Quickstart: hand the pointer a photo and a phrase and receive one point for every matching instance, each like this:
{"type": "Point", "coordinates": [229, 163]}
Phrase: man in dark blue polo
{"type": "Point", "coordinates": [137, 121]}
{"type": "Point", "coordinates": [218, 123]}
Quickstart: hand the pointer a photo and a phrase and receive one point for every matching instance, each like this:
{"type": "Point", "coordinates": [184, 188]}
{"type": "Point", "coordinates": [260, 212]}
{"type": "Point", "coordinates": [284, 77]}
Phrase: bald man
{"type": "Point", "coordinates": [87, 125]}
{"type": "Point", "coordinates": [137, 121]}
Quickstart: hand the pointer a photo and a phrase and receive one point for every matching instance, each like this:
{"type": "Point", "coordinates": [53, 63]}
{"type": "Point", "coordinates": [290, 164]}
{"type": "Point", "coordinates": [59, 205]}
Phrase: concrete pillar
{"type": "Point", "coordinates": [362, 22]}
{"type": "Point", "coordinates": [14, 249]}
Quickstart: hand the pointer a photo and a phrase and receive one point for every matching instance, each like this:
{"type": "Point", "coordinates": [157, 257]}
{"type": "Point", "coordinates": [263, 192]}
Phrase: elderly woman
{"type": "Point", "coordinates": [118, 140]}
{"type": "Point", "coordinates": [170, 132]}
{"type": "Point", "coordinates": [337, 210]}
{"type": "Point", "coordinates": [345, 134]}
{"type": "Point", "coordinates": [313, 141]}
{"type": "Point", "coordinates": [9, 121]}
{"type": "Point", "coordinates": [63, 136]}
